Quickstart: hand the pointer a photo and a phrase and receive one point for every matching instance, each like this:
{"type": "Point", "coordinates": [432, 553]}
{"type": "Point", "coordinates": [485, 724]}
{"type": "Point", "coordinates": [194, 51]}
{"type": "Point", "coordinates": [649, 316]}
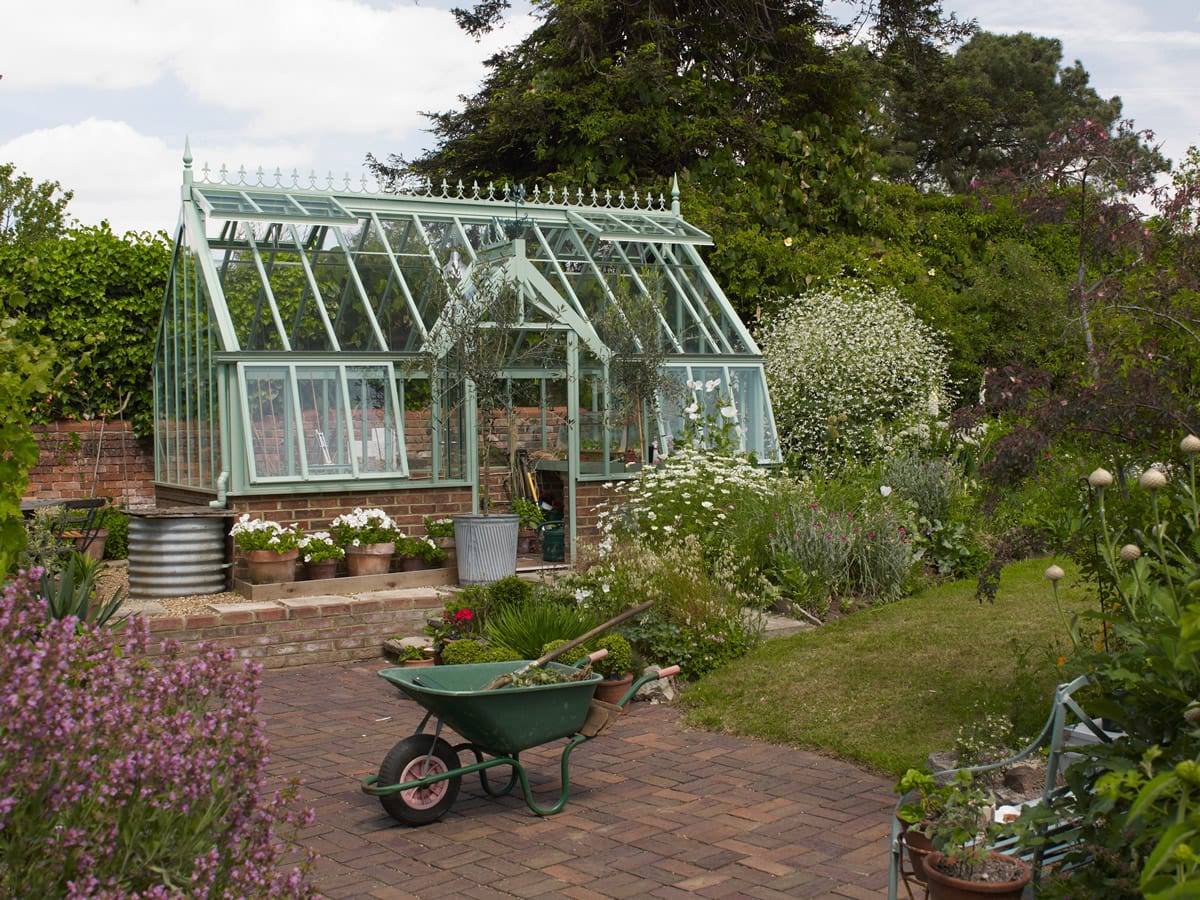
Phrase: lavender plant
{"type": "Point", "coordinates": [123, 777]}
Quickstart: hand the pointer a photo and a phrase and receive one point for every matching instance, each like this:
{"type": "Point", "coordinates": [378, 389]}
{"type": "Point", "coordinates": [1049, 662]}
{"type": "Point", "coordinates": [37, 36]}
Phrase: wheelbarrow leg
{"type": "Point", "coordinates": [483, 779]}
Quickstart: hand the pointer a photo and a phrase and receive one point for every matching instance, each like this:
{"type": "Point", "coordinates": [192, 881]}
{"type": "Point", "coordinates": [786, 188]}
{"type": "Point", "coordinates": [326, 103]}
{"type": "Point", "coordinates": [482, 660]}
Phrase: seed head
{"type": "Point", "coordinates": [1130, 553]}
{"type": "Point", "coordinates": [1152, 479]}
{"type": "Point", "coordinates": [1190, 445]}
{"type": "Point", "coordinates": [1100, 478]}
{"type": "Point", "coordinates": [1054, 573]}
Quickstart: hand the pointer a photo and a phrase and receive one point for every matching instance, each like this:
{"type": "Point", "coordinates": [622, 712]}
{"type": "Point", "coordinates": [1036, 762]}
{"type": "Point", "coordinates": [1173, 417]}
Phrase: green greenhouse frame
{"type": "Point", "coordinates": [303, 336]}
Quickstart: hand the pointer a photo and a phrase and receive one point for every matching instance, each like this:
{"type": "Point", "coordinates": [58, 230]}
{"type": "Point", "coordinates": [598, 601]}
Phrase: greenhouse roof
{"type": "Point", "coordinates": [295, 266]}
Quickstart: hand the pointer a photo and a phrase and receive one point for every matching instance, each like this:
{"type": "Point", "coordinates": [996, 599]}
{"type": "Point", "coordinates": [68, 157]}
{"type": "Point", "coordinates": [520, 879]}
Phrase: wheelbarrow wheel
{"type": "Point", "coordinates": [411, 760]}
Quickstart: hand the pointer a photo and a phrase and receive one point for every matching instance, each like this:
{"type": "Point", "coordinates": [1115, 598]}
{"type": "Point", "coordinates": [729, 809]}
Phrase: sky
{"type": "Point", "coordinates": [101, 95]}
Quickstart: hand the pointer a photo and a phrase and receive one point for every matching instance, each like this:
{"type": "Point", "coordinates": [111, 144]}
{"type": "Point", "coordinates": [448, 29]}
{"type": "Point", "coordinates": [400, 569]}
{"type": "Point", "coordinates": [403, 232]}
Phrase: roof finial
{"type": "Point", "coordinates": [187, 160]}
{"type": "Point", "coordinates": [675, 194]}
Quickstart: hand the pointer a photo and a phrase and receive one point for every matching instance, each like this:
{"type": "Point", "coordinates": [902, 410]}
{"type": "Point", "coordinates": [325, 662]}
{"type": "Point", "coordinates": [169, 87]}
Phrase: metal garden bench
{"type": "Point", "coordinates": [1067, 726]}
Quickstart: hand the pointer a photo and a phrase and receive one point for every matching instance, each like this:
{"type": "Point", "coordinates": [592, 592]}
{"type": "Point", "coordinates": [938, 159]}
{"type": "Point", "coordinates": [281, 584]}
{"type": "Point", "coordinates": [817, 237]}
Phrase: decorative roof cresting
{"type": "Point", "coordinates": [259, 179]}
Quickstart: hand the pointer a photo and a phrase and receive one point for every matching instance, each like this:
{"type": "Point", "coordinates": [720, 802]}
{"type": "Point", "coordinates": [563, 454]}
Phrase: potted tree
{"type": "Point", "coordinates": [631, 327]}
{"type": "Point", "coordinates": [480, 335]}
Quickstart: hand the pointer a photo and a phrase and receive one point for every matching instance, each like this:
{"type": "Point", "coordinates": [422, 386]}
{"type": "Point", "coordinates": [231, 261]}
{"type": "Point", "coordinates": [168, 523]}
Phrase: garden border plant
{"type": "Point", "coordinates": [121, 775]}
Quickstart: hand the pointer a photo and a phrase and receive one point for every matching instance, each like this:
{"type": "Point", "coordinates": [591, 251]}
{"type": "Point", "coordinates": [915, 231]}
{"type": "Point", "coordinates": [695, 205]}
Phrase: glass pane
{"type": "Point", "coordinates": [323, 413]}
{"type": "Point", "coordinates": [376, 441]}
{"type": "Point", "coordinates": [272, 434]}
{"type": "Point", "coordinates": [433, 428]}
{"type": "Point", "coordinates": [342, 301]}
{"type": "Point", "coordinates": [720, 405]}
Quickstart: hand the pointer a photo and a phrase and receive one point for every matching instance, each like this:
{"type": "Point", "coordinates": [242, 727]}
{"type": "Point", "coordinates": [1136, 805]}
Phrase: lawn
{"type": "Point", "coordinates": [887, 686]}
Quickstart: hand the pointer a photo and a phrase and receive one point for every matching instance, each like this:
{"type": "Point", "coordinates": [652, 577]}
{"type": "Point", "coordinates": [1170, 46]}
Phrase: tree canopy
{"type": "Point", "coordinates": [30, 211]}
{"type": "Point", "coordinates": [989, 106]}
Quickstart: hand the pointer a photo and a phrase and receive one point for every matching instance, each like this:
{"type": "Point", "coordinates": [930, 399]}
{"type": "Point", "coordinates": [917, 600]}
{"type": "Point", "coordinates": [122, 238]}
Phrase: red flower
{"type": "Point", "coordinates": [463, 615]}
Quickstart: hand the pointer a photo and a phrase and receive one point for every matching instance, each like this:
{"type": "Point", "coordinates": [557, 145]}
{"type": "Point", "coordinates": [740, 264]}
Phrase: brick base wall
{"type": "Point", "coordinates": [304, 630]}
{"type": "Point", "coordinates": [92, 459]}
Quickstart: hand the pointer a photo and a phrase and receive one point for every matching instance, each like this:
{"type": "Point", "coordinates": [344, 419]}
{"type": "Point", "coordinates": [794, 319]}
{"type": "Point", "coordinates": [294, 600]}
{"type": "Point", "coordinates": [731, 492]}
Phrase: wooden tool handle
{"type": "Point", "coordinates": [583, 639]}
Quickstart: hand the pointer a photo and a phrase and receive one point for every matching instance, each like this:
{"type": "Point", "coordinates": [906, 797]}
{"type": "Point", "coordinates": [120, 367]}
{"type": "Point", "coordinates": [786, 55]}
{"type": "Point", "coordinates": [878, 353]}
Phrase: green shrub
{"type": "Point", "coordinates": [619, 659]}
{"type": "Point", "coordinates": [463, 651]}
{"type": "Point", "coordinates": [696, 621]}
{"type": "Point", "coordinates": [849, 367]}
{"type": "Point", "coordinates": [525, 629]}
{"type": "Point", "coordinates": [931, 485]}
{"type": "Point", "coordinates": [820, 552]}
{"type": "Point", "coordinates": [508, 592]}
{"type": "Point", "coordinates": [116, 520]}
{"type": "Point", "coordinates": [499, 654]}
{"type": "Point", "coordinates": [572, 656]}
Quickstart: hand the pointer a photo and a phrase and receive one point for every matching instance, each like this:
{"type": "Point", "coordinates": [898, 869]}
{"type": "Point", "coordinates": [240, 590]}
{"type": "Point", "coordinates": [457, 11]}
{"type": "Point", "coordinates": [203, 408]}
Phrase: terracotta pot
{"type": "Point", "coordinates": [415, 663]}
{"type": "Point", "coordinates": [95, 548]}
{"type": "Point", "coordinates": [271, 567]}
{"type": "Point", "coordinates": [319, 571]}
{"type": "Point", "coordinates": [918, 845]}
{"type": "Point", "coordinates": [947, 887]}
{"type": "Point", "coordinates": [525, 543]}
{"type": "Point", "coordinates": [610, 690]}
{"type": "Point", "coordinates": [416, 564]}
{"type": "Point", "coordinates": [370, 559]}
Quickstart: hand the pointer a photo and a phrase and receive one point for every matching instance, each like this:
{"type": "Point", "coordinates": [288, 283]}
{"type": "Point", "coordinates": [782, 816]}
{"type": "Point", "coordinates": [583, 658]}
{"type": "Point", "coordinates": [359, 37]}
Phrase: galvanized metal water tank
{"type": "Point", "coordinates": [178, 551]}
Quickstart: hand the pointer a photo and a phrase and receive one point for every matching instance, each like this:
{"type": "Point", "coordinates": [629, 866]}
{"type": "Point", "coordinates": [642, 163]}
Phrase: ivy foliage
{"type": "Point", "coordinates": [28, 369]}
{"type": "Point", "coordinates": [96, 298]}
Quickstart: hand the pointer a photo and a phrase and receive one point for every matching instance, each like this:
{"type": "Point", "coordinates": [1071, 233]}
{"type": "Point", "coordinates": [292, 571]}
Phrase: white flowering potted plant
{"type": "Point", "coordinates": [419, 553]}
{"type": "Point", "coordinates": [321, 555]}
{"type": "Point", "coordinates": [270, 548]}
{"type": "Point", "coordinates": [368, 537]}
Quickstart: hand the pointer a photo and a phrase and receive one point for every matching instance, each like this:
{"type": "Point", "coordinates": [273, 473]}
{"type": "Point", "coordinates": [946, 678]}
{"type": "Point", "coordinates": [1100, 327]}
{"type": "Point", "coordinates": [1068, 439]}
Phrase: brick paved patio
{"type": "Point", "coordinates": [655, 810]}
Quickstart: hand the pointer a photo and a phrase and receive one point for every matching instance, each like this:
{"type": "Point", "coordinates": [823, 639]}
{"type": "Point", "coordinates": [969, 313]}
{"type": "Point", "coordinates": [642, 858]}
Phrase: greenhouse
{"type": "Point", "coordinates": [319, 339]}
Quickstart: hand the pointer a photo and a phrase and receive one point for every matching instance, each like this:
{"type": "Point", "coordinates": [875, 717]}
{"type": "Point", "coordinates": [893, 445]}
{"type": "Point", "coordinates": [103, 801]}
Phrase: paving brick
{"type": "Point", "coordinates": [654, 811]}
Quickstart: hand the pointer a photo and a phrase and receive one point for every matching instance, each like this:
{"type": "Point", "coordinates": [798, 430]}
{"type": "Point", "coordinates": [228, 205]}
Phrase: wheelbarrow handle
{"type": "Point", "coordinates": [667, 672]}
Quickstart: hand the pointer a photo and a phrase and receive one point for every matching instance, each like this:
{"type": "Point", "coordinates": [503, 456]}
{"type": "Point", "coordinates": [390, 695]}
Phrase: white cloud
{"type": "Point", "coordinates": [289, 66]}
{"type": "Point", "coordinates": [119, 174]}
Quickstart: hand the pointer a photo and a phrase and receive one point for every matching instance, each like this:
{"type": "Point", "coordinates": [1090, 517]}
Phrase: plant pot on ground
{"type": "Point", "coordinates": [616, 667]}
{"type": "Point", "coordinates": [924, 799]}
{"type": "Point", "coordinates": [961, 863]}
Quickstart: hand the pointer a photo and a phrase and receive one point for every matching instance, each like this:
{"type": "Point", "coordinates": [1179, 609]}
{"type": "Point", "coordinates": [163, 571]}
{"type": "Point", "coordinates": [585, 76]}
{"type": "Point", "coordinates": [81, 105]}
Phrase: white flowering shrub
{"type": "Point", "coordinates": [848, 368]}
{"type": "Point", "coordinates": [693, 493]}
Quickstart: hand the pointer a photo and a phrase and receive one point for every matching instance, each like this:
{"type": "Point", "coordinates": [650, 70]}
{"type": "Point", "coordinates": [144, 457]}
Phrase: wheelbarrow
{"type": "Point", "coordinates": [419, 778]}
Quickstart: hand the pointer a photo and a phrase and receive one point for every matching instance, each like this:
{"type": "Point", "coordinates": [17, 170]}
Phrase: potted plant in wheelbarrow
{"type": "Point", "coordinates": [961, 863]}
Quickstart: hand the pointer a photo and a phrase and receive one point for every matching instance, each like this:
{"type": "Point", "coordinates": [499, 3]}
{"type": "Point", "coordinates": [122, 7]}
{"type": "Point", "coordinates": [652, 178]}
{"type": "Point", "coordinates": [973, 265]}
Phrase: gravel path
{"type": "Point", "coordinates": [116, 577]}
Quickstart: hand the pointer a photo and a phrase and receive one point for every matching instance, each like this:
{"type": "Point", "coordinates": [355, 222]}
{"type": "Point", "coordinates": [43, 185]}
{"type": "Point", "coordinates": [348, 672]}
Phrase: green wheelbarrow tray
{"type": "Point", "coordinates": [503, 721]}
{"type": "Point", "coordinates": [418, 781]}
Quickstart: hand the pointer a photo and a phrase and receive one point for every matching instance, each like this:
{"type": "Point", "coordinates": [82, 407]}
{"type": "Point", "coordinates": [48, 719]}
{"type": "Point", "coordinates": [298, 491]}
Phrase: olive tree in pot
{"type": "Point", "coordinates": [480, 336]}
{"type": "Point", "coordinates": [631, 326]}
